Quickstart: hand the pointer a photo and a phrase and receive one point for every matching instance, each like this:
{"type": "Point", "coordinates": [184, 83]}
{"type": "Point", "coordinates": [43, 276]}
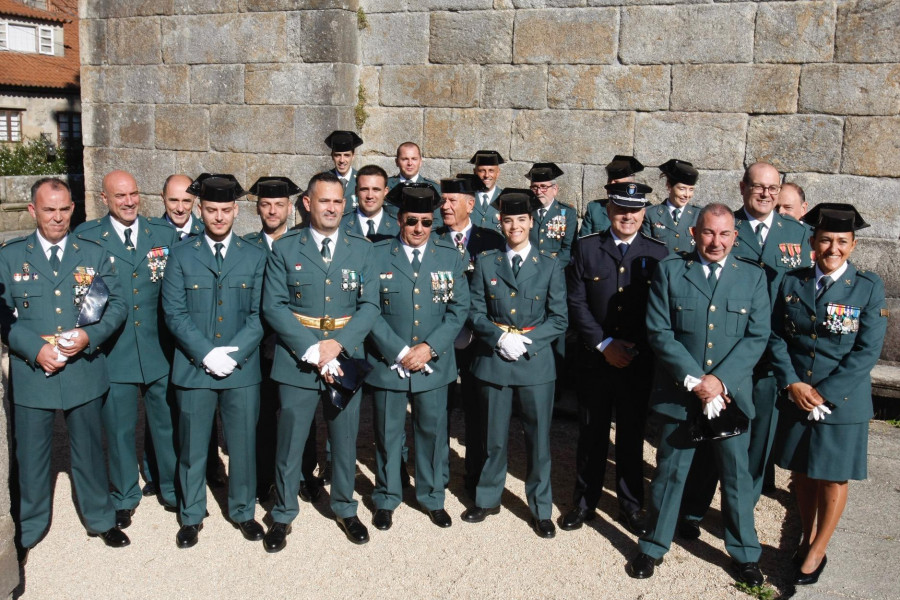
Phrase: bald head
{"type": "Point", "coordinates": [120, 195]}
{"type": "Point", "coordinates": [179, 203]}
{"type": "Point", "coordinates": [759, 188]}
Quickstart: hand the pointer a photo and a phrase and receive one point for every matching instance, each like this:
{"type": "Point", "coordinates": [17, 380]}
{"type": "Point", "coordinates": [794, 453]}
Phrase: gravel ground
{"type": "Point", "coordinates": [500, 558]}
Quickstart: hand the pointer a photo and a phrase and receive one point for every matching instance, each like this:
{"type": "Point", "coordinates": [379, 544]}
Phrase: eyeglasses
{"type": "Point", "coordinates": [759, 188]}
{"type": "Point", "coordinates": [413, 221]}
{"type": "Point", "coordinates": [542, 188]}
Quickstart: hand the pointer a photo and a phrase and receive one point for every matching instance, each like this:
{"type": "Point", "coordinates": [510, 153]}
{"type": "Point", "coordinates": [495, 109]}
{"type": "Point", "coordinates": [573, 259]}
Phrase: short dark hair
{"type": "Point", "coordinates": [55, 183]}
{"type": "Point", "coordinates": [371, 170]}
{"type": "Point", "coordinates": [323, 177]}
{"type": "Point", "coordinates": [716, 209]}
{"type": "Point", "coordinates": [407, 144]}
{"type": "Point", "coordinates": [797, 189]}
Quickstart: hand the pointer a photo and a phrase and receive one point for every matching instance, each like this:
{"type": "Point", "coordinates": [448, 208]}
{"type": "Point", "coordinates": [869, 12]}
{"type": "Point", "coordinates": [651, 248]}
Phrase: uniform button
{"type": "Point", "coordinates": [220, 286]}
{"type": "Point", "coordinates": [220, 319]}
{"type": "Point", "coordinates": [218, 335]}
{"type": "Point", "coordinates": [135, 290]}
{"type": "Point", "coordinates": [56, 292]}
{"type": "Point", "coordinates": [196, 286]}
{"type": "Point", "coordinates": [135, 307]}
{"type": "Point", "coordinates": [244, 285]}
{"type": "Point", "coordinates": [813, 336]}
{"type": "Point", "coordinates": [596, 279]}
{"type": "Point", "coordinates": [812, 354]}
{"type": "Point", "coordinates": [762, 264]}
{"type": "Point", "coordinates": [415, 338]}
{"type": "Point", "coordinates": [512, 294]}
{"type": "Point", "coordinates": [621, 269]}
{"type": "Point", "coordinates": [709, 345]}
{"type": "Point", "coordinates": [58, 328]}
{"type": "Point", "coordinates": [137, 323]}
{"type": "Point", "coordinates": [134, 275]}
{"type": "Point", "coordinates": [25, 304]}
{"type": "Point", "coordinates": [677, 249]}
{"type": "Point", "coordinates": [677, 235]}
{"type": "Point", "coordinates": [619, 308]}
{"type": "Point", "coordinates": [416, 291]}
{"type": "Point", "coordinates": [324, 334]}
{"type": "Point", "coordinates": [621, 290]}
{"type": "Point", "coordinates": [708, 363]}
{"type": "Point", "coordinates": [712, 308]}
{"type": "Point", "coordinates": [743, 311]}
{"type": "Point", "coordinates": [327, 282]}
{"type": "Point", "coordinates": [58, 311]}
{"type": "Point", "coordinates": [327, 298]}
{"type": "Point", "coordinates": [512, 311]}
{"type": "Point", "coordinates": [711, 326]}
{"type": "Point", "coordinates": [809, 373]}
{"type": "Point", "coordinates": [416, 307]}
{"type": "Point", "coordinates": [416, 323]}
{"type": "Point", "coordinates": [812, 318]}
{"type": "Point", "coordinates": [220, 303]}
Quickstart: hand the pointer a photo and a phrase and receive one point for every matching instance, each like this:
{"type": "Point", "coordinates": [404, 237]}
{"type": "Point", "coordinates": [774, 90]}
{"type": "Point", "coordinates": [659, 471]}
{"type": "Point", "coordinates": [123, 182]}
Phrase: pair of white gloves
{"type": "Point", "coordinates": [512, 345]}
{"type": "Point", "coordinates": [218, 363]}
{"type": "Point", "coordinates": [817, 413]}
{"type": "Point", "coordinates": [311, 356]}
{"type": "Point", "coordinates": [402, 371]}
{"type": "Point", "coordinates": [711, 409]}
{"type": "Point", "coordinates": [65, 340]}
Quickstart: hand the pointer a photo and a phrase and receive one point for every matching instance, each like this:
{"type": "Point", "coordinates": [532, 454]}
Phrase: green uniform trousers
{"type": "Point", "coordinates": [674, 454]}
{"type": "Point", "coordinates": [536, 413]}
{"type": "Point", "coordinates": [120, 420]}
{"type": "Point", "coordinates": [298, 408]}
{"type": "Point", "coordinates": [33, 437]}
{"type": "Point", "coordinates": [239, 408]}
{"type": "Point", "coordinates": [432, 454]}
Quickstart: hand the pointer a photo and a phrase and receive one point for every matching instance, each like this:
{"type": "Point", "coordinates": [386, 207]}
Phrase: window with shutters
{"type": "Point", "coordinates": [69, 129]}
{"type": "Point", "coordinates": [45, 40]}
{"type": "Point", "coordinates": [10, 125]}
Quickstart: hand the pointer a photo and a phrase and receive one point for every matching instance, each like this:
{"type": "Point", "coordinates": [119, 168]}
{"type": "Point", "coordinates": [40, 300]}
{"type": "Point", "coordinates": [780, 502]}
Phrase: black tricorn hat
{"type": "Point", "coordinates": [274, 187]}
{"type": "Point", "coordinates": [414, 197]}
{"type": "Point", "coordinates": [216, 187]}
{"type": "Point", "coordinates": [463, 183]}
{"type": "Point", "coordinates": [543, 171]}
{"type": "Point", "coordinates": [628, 194]}
{"type": "Point", "coordinates": [679, 171]}
{"type": "Point", "coordinates": [835, 217]}
{"type": "Point", "coordinates": [623, 166]}
{"type": "Point", "coordinates": [343, 141]}
{"type": "Point", "coordinates": [516, 201]}
{"type": "Point", "coordinates": [487, 158]}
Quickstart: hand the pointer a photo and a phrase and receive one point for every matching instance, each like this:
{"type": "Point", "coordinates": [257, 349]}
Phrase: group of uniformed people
{"type": "Point", "coordinates": [457, 293]}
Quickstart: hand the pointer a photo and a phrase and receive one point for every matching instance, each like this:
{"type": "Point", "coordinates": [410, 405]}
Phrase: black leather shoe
{"type": "Point", "coordinates": [476, 514]}
{"type": "Point", "coordinates": [575, 518]}
{"type": "Point", "coordinates": [355, 531]}
{"type": "Point", "coordinates": [383, 519]}
{"type": "Point", "coordinates": [635, 522]}
{"type": "Point", "coordinates": [114, 538]}
{"type": "Point", "coordinates": [187, 535]}
{"type": "Point", "coordinates": [810, 578]}
{"type": "Point", "coordinates": [440, 518]}
{"type": "Point", "coordinates": [750, 574]}
{"type": "Point", "coordinates": [149, 489]}
{"type": "Point", "coordinates": [276, 538]}
{"type": "Point", "coordinates": [123, 517]}
{"type": "Point", "coordinates": [309, 492]}
{"type": "Point", "coordinates": [325, 476]}
{"type": "Point", "coordinates": [252, 530]}
{"type": "Point", "coordinates": [543, 527]}
{"type": "Point", "coordinates": [688, 529]}
{"type": "Point", "coordinates": [642, 566]}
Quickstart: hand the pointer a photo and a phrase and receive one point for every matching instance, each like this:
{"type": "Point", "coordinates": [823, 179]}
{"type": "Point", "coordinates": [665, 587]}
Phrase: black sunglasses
{"type": "Point", "coordinates": [412, 221]}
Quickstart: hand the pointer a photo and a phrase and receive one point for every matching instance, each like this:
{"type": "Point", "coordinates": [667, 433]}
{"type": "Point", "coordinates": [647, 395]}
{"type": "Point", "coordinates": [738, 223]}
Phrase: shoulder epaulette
{"type": "Point", "coordinates": [291, 232]}
{"type": "Point", "coordinates": [14, 240]}
{"type": "Point", "coordinates": [357, 236]}
{"type": "Point", "coordinates": [651, 239]}
{"type": "Point", "coordinates": [587, 235]}
{"type": "Point", "coordinates": [384, 242]}
{"type": "Point", "coordinates": [749, 261]}
{"type": "Point", "coordinates": [443, 242]}
{"type": "Point", "coordinates": [564, 205]}
{"type": "Point", "coordinates": [489, 252]}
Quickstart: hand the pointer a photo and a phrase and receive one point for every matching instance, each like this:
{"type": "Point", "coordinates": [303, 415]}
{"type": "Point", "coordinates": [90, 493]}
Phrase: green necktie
{"type": "Point", "coordinates": [129, 245]}
{"type": "Point", "coordinates": [219, 258]}
{"type": "Point", "coordinates": [326, 251]}
{"type": "Point", "coordinates": [416, 263]}
{"type": "Point", "coordinates": [711, 279]}
{"type": "Point", "coordinates": [371, 230]}
{"type": "Point", "coordinates": [516, 264]}
{"type": "Point", "coordinates": [54, 258]}
{"type": "Point", "coordinates": [824, 283]}
{"type": "Point", "coordinates": [759, 234]}
{"type": "Point", "coordinates": [676, 214]}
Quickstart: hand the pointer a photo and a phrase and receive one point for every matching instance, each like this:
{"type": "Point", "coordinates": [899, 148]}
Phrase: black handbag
{"type": "Point", "coordinates": [731, 422]}
{"type": "Point", "coordinates": [345, 386]}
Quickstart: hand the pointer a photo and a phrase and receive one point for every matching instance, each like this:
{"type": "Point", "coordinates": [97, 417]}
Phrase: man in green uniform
{"type": "Point", "coordinates": [54, 365]}
{"type": "Point", "coordinates": [211, 298]}
{"type": "Point", "coordinates": [179, 205]}
{"type": "Point", "coordinates": [707, 319]}
{"type": "Point", "coordinates": [409, 161]}
{"type": "Point", "coordinates": [372, 218]}
{"type": "Point", "coordinates": [343, 145]}
{"type": "Point", "coordinates": [620, 170]}
{"type": "Point", "coordinates": [136, 361]}
{"type": "Point", "coordinates": [778, 245]}
{"type": "Point", "coordinates": [424, 300]}
{"type": "Point", "coordinates": [487, 168]}
{"type": "Point", "coordinates": [554, 222]}
{"type": "Point", "coordinates": [321, 301]}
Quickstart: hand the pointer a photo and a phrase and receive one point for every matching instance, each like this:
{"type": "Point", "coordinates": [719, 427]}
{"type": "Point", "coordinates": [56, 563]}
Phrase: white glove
{"type": "Point", "coordinates": [311, 355]}
{"type": "Point", "coordinates": [218, 362]}
{"type": "Point", "coordinates": [714, 407]}
{"type": "Point", "coordinates": [330, 367]}
{"type": "Point", "coordinates": [428, 370]}
{"type": "Point", "coordinates": [65, 340]}
{"type": "Point", "coordinates": [818, 413]}
{"type": "Point", "coordinates": [401, 354]}
{"type": "Point", "coordinates": [512, 345]}
{"type": "Point", "coordinates": [402, 371]}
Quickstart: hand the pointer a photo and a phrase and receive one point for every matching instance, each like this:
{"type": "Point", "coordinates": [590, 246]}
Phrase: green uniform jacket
{"type": "Point", "coordinates": [258, 239]}
{"type": "Point", "coordinates": [488, 218]}
{"type": "Point", "coordinates": [838, 365]}
{"type": "Point", "coordinates": [196, 226]}
{"type": "Point", "coordinates": [205, 309]}
{"type": "Point", "coordinates": [134, 352]}
{"type": "Point", "coordinates": [537, 298]}
{"type": "Point", "coordinates": [694, 334]}
{"type": "Point", "coordinates": [595, 218]}
{"type": "Point", "coordinates": [45, 305]}
{"type": "Point", "coordinates": [554, 236]}
{"type": "Point", "coordinates": [388, 228]}
{"type": "Point", "coordinates": [392, 181]}
{"type": "Point", "coordinates": [349, 190]}
{"type": "Point", "coordinates": [299, 282]}
{"type": "Point", "coordinates": [659, 225]}
{"type": "Point", "coordinates": [480, 240]}
{"type": "Point", "coordinates": [431, 308]}
{"type": "Point", "coordinates": [779, 255]}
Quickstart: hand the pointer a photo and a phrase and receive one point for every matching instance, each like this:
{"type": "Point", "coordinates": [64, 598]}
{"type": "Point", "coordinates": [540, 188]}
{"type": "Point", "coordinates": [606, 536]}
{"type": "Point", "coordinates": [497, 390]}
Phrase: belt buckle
{"type": "Point", "coordinates": [326, 323]}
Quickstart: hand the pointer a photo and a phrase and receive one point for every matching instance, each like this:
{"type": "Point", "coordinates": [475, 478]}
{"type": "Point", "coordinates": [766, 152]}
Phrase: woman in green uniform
{"type": "Point", "coordinates": [670, 222]}
{"type": "Point", "coordinates": [518, 309]}
{"type": "Point", "coordinates": [828, 327]}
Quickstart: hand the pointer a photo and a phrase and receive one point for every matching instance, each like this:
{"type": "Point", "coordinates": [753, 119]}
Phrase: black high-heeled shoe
{"type": "Point", "coordinates": [810, 578]}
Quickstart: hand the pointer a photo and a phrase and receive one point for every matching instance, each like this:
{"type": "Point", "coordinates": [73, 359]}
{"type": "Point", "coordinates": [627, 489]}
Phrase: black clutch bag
{"type": "Point", "coordinates": [731, 422]}
{"type": "Point", "coordinates": [345, 386]}
{"type": "Point", "coordinates": [94, 303]}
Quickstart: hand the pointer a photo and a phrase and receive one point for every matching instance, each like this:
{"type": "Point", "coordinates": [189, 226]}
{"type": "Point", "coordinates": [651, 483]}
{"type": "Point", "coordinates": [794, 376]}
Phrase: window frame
{"type": "Point", "coordinates": [7, 114]}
